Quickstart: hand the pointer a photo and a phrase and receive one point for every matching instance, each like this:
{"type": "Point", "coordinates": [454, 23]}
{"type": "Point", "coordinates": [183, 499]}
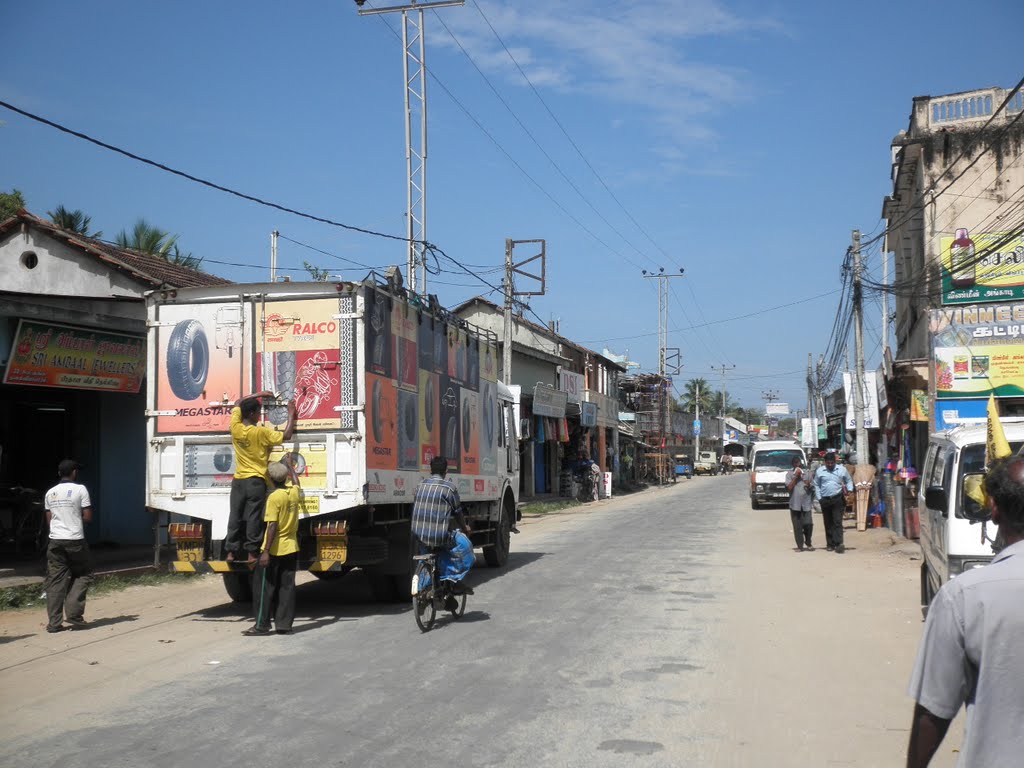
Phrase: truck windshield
{"type": "Point", "coordinates": [778, 460]}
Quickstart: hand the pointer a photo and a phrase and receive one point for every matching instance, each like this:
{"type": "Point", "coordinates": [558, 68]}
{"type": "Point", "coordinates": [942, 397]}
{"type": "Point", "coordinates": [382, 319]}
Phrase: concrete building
{"type": "Point", "coordinates": [72, 362]}
{"type": "Point", "coordinates": [954, 231]}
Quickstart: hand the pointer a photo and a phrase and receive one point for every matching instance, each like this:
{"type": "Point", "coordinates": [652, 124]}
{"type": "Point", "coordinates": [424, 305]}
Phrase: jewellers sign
{"type": "Point", "coordinates": [548, 401]}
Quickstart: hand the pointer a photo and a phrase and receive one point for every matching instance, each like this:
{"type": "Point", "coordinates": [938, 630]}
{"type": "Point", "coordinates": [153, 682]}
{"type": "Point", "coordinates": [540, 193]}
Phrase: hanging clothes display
{"type": "Point", "coordinates": [540, 429]}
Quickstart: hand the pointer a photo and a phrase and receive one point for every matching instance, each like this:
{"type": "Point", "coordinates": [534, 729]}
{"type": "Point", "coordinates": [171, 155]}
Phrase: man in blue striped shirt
{"type": "Point", "coordinates": [435, 505]}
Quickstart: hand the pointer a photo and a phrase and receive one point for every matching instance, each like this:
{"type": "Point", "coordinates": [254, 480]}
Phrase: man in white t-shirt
{"type": "Point", "coordinates": [68, 563]}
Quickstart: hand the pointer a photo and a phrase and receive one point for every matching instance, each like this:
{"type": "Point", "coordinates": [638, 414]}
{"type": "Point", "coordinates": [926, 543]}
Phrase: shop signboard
{"type": "Point", "coordinates": [982, 267]}
{"type": "Point", "coordinates": [809, 433]}
{"type": "Point", "coordinates": [777, 409]}
{"type": "Point", "coordinates": [71, 357]}
{"type": "Point", "coordinates": [978, 351]}
{"type": "Point", "coordinates": [588, 414]}
{"type": "Point", "coordinates": [548, 401]}
{"type": "Point", "coordinates": [949, 413]}
{"type": "Point", "coordinates": [870, 401]}
{"type": "Point", "coordinates": [572, 384]}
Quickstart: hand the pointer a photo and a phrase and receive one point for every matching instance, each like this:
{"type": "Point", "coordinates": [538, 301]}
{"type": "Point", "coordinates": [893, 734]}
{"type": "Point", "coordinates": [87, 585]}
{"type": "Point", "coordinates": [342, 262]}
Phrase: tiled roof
{"type": "Point", "coordinates": [144, 267]}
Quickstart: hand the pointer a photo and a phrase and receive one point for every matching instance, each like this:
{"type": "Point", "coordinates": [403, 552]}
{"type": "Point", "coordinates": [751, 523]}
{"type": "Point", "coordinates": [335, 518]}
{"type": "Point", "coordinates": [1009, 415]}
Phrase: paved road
{"type": "Point", "coordinates": [672, 628]}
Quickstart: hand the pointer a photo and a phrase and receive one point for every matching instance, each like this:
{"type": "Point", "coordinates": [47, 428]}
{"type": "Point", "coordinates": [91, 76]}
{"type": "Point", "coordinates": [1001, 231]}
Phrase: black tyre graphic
{"type": "Point", "coordinates": [428, 405]}
{"type": "Point", "coordinates": [451, 437]}
{"type": "Point", "coordinates": [376, 421]}
{"type": "Point", "coordinates": [188, 360]}
{"type": "Point", "coordinates": [409, 419]}
{"type": "Point", "coordinates": [223, 459]}
{"type": "Point", "coordinates": [489, 419]}
{"type": "Point", "coordinates": [283, 384]}
{"type": "Point", "coordinates": [441, 351]}
{"type": "Point", "coordinates": [467, 423]}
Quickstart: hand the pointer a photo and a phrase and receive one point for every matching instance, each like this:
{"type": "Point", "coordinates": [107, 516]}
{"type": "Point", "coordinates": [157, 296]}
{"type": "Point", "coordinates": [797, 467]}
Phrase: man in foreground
{"type": "Point", "coordinates": [970, 653]}
{"type": "Point", "coordinates": [68, 562]}
{"type": "Point", "coordinates": [437, 522]}
{"type": "Point", "coordinates": [832, 482]}
{"type": "Point", "coordinates": [801, 494]}
{"type": "Point", "coordinates": [252, 442]}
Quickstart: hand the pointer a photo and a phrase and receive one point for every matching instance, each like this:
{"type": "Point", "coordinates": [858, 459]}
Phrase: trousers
{"type": "Point", "coordinates": [803, 526]}
{"type": "Point", "coordinates": [245, 516]}
{"type": "Point", "coordinates": [68, 576]}
{"type": "Point", "coordinates": [273, 592]}
{"type": "Point", "coordinates": [832, 508]}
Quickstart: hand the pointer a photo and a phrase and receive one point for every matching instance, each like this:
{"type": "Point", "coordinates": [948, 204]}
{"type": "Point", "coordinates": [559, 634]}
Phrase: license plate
{"type": "Point", "coordinates": [334, 553]}
{"type": "Point", "coordinates": [191, 554]}
{"type": "Point", "coordinates": [781, 495]}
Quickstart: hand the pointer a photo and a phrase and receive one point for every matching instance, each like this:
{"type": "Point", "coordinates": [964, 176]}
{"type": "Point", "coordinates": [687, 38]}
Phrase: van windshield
{"type": "Point", "coordinates": [780, 460]}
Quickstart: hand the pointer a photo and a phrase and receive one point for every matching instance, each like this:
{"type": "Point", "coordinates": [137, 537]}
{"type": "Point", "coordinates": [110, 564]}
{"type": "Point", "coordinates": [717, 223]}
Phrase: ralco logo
{"type": "Point", "coordinates": [274, 326]}
{"type": "Point", "coordinates": [308, 329]}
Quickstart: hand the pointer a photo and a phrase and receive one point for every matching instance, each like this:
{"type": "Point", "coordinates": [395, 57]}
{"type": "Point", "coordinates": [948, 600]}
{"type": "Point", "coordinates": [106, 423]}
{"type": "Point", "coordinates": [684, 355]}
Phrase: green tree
{"type": "Point", "coordinates": [10, 203]}
{"type": "Point", "coordinates": [146, 238]}
{"type": "Point", "coordinates": [698, 391]}
{"type": "Point", "coordinates": [318, 275]}
{"type": "Point", "coordinates": [73, 221]}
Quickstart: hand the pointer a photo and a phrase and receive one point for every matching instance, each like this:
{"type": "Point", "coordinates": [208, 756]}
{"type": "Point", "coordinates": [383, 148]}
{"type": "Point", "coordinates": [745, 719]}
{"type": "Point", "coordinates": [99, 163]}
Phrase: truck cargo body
{"type": "Point", "coordinates": [382, 384]}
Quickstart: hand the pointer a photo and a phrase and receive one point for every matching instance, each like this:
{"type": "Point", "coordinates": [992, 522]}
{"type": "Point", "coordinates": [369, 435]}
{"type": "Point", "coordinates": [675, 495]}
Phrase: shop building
{"type": "Point", "coordinates": [72, 366]}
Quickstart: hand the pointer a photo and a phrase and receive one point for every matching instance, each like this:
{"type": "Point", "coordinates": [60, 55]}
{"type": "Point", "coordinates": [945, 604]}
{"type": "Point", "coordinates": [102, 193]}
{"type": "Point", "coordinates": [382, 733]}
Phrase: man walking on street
{"type": "Point", "coordinates": [252, 442]}
{"type": "Point", "coordinates": [68, 562]}
{"type": "Point", "coordinates": [832, 483]}
{"type": "Point", "coordinates": [970, 653]}
{"type": "Point", "coordinates": [801, 494]}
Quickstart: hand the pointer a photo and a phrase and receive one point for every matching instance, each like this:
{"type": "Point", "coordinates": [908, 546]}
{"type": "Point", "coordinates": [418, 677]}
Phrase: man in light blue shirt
{"type": "Point", "coordinates": [830, 482]}
{"type": "Point", "coordinates": [970, 653]}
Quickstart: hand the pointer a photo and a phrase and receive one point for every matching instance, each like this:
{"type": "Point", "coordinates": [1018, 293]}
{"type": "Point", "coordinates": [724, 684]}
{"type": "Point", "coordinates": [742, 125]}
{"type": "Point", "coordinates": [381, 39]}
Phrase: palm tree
{"type": "Point", "coordinates": [698, 392]}
{"type": "Point", "coordinates": [146, 238]}
{"type": "Point", "coordinates": [73, 221]}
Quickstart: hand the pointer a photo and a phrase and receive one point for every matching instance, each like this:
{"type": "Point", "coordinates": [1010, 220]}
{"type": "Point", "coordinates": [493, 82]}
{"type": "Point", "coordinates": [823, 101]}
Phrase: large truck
{"type": "Point", "coordinates": [383, 380]}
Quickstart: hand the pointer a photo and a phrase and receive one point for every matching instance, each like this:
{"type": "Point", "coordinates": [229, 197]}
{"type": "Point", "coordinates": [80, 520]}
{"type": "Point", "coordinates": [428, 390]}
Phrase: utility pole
{"type": "Point", "coordinates": [663, 410]}
{"type": "Point", "coordinates": [414, 67]}
{"type": "Point", "coordinates": [696, 422]}
{"type": "Point", "coordinates": [509, 286]}
{"type": "Point", "coordinates": [810, 405]}
{"type": "Point", "coordinates": [724, 368]}
{"type": "Point", "coordinates": [273, 256]}
{"type": "Point", "coordinates": [858, 331]}
{"type": "Point", "coordinates": [769, 396]}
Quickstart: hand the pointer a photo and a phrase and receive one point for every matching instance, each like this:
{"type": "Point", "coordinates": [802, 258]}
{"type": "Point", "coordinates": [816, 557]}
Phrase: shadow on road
{"type": "Point", "coordinates": [109, 621]}
{"type": "Point", "coordinates": [12, 638]}
{"type": "Point", "coordinates": [481, 574]}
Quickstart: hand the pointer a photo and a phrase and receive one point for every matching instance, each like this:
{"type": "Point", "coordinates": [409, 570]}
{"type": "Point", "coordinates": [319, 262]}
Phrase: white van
{"type": "Point", "coordinates": [769, 463]}
{"type": "Point", "coordinates": [951, 540]}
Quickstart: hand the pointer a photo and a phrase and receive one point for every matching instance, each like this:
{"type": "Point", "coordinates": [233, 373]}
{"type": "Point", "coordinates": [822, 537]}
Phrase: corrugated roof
{"type": "Point", "coordinates": [156, 271]}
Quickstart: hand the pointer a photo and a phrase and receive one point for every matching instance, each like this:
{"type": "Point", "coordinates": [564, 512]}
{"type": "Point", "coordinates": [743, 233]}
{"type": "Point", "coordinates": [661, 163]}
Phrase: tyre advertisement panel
{"type": "Point", "coordinates": [404, 332]}
{"type": "Point", "coordinates": [381, 423]}
{"type": "Point", "coordinates": [470, 426]}
{"type": "Point", "coordinates": [429, 418]}
{"type": "Point", "coordinates": [200, 366]}
{"type": "Point", "coordinates": [489, 425]}
{"type": "Point", "coordinates": [377, 314]}
{"type": "Point", "coordinates": [449, 409]}
{"type": "Point", "coordinates": [298, 355]}
{"type": "Point", "coordinates": [408, 430]}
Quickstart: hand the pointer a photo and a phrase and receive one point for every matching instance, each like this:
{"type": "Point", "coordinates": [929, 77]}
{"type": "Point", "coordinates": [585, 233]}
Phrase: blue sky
{"type": "Point", "coordinates": [747, 139]}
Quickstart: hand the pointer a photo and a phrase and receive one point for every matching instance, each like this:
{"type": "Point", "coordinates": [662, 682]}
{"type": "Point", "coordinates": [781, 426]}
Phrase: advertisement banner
{"type": "Point", "coordinates": [470, 432]}
{"type": "Point", "coordinates": [65, 356]}
{"type": "Point", "coordinates": [870, 400]}
{"type": "Point", "coordinates": [430, 445]}
{"type": "Point", "coordinates": [919, 406]}
{"type": "Point", "coordinates": [982, 267]}
{"type": "Point", "coordinates": [381, 422]}
{"type": "Point", "coordinates": [200, 367]}
{"type": "Point", "coordinates": [588, 414]}
{"type": "Point", "coordinates": [298, 356]}
{"type": "Point", "coordinates": [572, 384]}
{"type": "Point", "coordinates": [949, 413]}
{"type": "Point", "coordinates": [777, 409]}
{"type": "Point", "coordinates": [978, 351]}
{"type": "Point", "coordinates": [809, 433]}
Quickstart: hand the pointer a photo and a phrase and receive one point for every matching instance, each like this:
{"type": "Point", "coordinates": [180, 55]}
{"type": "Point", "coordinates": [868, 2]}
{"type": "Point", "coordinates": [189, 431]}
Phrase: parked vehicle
{"type": "Point", "coordinates": [684, 465]}
{"type": "Point", "coordinates": [769, 463]}
{"type": "Point", "coordinates": [951, 524]}
{"type": "Point", "coordinates": [706, 464]}
{"type": "Point", "coordinates": [737, 454]}
{"type": "Point", "coordinates": [382, 384]}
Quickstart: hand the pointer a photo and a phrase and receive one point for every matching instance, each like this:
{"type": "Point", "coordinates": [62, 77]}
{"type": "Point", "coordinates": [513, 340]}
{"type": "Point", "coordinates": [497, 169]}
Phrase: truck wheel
{"type": "Point", "coordinates": [402, 583]}
{"type": "Point", "coordinates": [753, 504]}
{"type": "Point", "coordinates": [382, 585]}
{"type": "Point", "coordinates": [239, 587]}
{"type": "Point", "coordinates": [496, 555]}
{"type": "Point", "coordinates": [188, 359]}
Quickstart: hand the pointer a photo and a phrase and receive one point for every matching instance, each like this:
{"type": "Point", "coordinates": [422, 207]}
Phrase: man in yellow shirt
{"type": "Point", "coordinates": [274, 580]}
{"type": "Point", "coordinates": [252, 442]}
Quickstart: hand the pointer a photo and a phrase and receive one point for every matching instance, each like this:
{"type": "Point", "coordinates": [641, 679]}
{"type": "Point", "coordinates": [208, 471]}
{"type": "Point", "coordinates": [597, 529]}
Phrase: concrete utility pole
{"type": "Point", "coordinates": [696, 421]}
{"type": "Point", "coordinates": [769, 396]}
{"type": "Point", "coordinates": [724, 368]}
{"type": "Point", "coordinates": [273, 256]}
{"type": "Point", "coordinates": [509, 288]}
{"type": "Point", "coordinates": [858, 336]}
{"type": "Point", "coordinates": [414, 67]}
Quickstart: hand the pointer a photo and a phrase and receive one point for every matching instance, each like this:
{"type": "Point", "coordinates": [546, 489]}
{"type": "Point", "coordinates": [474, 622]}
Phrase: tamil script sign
{"type": "Point", "coordinates": [982, 267]}
{"type": "Point", "coordinates": [978, 350]}
{"type": "Point", "coordinates": [69, 357]}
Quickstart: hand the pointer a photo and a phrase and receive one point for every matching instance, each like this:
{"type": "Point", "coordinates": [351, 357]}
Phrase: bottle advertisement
{"type": "Point", "coordinates": [982, 267]}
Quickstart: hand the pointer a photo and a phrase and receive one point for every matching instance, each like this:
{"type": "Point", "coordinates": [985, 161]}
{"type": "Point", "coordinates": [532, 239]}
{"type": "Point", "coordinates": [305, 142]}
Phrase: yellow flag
{"type": "Point", "coordinates": [996, 446]}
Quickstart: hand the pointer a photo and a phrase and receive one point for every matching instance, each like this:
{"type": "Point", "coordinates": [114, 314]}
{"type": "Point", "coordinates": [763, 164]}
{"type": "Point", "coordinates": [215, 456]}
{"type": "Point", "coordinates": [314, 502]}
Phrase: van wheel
{"type": "Point", "coordinates": [754, 504]}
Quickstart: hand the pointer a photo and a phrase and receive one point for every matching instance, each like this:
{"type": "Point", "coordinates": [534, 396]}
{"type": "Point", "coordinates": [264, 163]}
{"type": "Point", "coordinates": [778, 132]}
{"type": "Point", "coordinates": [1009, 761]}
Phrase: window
{"type": "Point", "coordinates": [29, 260]}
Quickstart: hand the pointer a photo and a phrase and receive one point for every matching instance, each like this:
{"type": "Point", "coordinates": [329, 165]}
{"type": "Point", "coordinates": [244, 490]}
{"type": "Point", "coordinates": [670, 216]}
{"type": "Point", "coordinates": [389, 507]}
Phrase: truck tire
{"type": "Point", "coordinates": [283, 384]}
{"type": "Point", "coordinates": [382, 585]}
{"type": "Point", "coordinates": [239, 587]}
{"type": "Point", "coordinates": [188, 360]}
{"type": "Point", "coordinates": [496, 555]}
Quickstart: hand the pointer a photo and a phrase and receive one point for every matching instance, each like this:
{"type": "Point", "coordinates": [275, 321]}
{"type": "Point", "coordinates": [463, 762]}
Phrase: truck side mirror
{"type": "Point", "coordinates": [935, 497]}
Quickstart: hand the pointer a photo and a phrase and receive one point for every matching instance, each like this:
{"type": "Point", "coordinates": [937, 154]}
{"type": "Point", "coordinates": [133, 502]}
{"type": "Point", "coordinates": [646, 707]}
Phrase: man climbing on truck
{"type": "Point", "coordinates": [252, 442]}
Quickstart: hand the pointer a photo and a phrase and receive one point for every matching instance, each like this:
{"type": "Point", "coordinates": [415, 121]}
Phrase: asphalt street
{"type": "Point", "coordinates": [675, 627]}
